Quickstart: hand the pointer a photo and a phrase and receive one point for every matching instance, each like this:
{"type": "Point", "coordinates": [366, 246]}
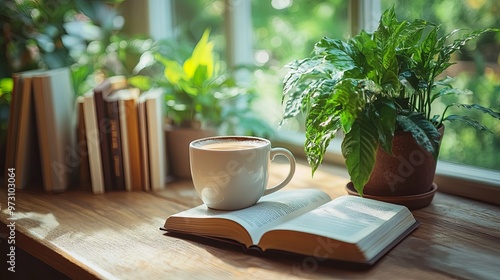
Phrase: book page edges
{"type": "Point", "coordinates": [93, 144]}
{"type": "Point", "coordinates": [368, 262]}
{"type": "Point", "coordinates": [219, 228]}
{"type": "Point", "coordinates": [156, 142]}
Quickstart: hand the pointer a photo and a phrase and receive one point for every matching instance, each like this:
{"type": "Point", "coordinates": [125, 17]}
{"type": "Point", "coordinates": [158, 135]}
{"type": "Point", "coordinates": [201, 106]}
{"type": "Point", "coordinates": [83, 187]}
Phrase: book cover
{"type": "Point", "coordinates": [81, 146]}
{"type": "Point", "coordinates": [114, 138]}
{"type": "Point", "coordinates": [156, 138]}
{"type": "Point", "coordinates": [144, 143]}
{"type": "Point", "coordinates": [13, 125]}
{"type": "Point", "coordinates": [101, 92]}
{"type": "Point", "coordinates": [27, 154]}
{"type": "Point", "coordinates": [22, 141]}
{"type": "Point", "coordinates": [129, 125]}
{"type": "Point", "coordinates": [92, 135]}
{"type": "Point", "coordinates": [55, 109]}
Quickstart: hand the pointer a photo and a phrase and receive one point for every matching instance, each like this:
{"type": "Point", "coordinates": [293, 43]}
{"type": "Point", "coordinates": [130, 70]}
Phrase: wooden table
{"type": "Point", "coordinates": [117, 236]}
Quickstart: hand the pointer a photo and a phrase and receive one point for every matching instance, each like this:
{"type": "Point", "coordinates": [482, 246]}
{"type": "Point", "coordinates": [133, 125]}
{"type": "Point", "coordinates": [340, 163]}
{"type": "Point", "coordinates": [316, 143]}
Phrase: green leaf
{"type": "Point", "coordinates": [467, 120]}
{"type": "Point", "coordinates": [390, 82]}
{"type": "Point", "coordinates": [330, 112]}
{"type": "Point", "coordinates": [447, 50]}
{"type": "Point", "coordinates": [480, 108]}
{"type": "Point", "coordinates": [384, 118]}
{"type": "Point", "coordinates": [305, 78]}
{"type": "Point", "coordinates": [173, 70]}
{"type": "Point", "coordinates": [320, 130]}
{"type": "Point", "coordinates": [450, 91]}
{"type": "Point", "coordinates": [413, 33]}
{"type": "Point", "coordinates": [322, 122]}
{"type": "Point", "coordinates": [6, 85]}
{"type": "Point", "coordinates": [427, 48]}
{"type": "Point", "coordinates": [367, 50]}
{"type": "Point", "coordinates": [341, 56]}
{"type": "Point", "coordinates": [202, 56]}
{"type": "Point", "coordinates": [445, 82]}
{"type": "Point", "coordinates": [188, 87]}
{"type": "Point", "coordinates": [422, 130]}
{"type": "Point", "coordinates": [462, 41]}
{"type": "Point", "coordinates": [387, 19]}
{"type": "Point", "coordinates": [348, 101]}
{"type": "Point", "coordinates": [141, 82]}
{"type": "Point", "coordinates": [201, 75]}
{"type": "Point", "coordinates": [409, 80]}
{"type": "Point", "coordinates": [301, 70]}
{"type": "Point", "coordinates": [359, 148]}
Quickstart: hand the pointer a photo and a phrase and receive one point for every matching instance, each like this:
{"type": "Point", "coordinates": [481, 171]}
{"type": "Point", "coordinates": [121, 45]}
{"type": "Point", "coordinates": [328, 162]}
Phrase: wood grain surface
{"type": "Point", "coordinates": [117, 236]}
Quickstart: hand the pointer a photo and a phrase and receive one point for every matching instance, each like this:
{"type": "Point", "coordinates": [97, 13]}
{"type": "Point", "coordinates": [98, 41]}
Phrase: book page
{"type": "Point", "coordinates": [347, 218]}
{"type": "Point", "coordinates": [270, 210]}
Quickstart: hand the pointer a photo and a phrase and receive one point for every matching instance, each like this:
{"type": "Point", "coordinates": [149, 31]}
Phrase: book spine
{"type": "Point", "coordinates": [22, 150]}
{"type": "Point", "coordinates": [103, 126]}
{"type": "Point", "coordinates": [84, 165]}
{"type": "Point", "coordinates": [143, 129]}
{"type": "Point", "coordinates": [93, 144]}
{"type": "Point", "coordinates": [57, 107]}
{"type": "Point", "coordinates": [125, 145]}
{"type": "Point", "coordinates": [115, 146]}
{"type": "Point", "coordinates": [12, 130]}
{"type": "Point", "coordinates": [44, 129]}
{"type": "Point", "coordinates": [134, 144]}
{"type": "Point", "coordinates": [157, 160]}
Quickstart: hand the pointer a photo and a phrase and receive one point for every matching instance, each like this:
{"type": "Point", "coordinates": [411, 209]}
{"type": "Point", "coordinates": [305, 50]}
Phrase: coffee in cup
{"type": "Point", "coordinates": [232, 172]}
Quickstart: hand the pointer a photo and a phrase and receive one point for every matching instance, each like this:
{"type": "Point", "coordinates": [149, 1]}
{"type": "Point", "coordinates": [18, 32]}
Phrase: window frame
{"type": "Point", "coordinates": [462, 180]}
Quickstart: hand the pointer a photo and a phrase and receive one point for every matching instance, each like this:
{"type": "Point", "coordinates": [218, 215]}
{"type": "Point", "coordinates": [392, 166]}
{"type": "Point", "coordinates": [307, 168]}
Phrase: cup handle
{"type": "Point", "coordinates": [291, 160]}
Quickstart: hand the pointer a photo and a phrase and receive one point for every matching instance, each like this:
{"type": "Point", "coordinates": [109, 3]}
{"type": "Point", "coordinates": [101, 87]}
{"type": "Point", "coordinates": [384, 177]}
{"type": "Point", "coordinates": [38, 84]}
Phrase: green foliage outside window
{"type": "Point", "coordinates": [479, 64]}
{"type": "Point", "coordinates": [284, 30]}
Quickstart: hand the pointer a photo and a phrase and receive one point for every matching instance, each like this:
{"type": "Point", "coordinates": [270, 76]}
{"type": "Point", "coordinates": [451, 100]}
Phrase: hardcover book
{"type": "Point", "coordinates": [129, 129]}
{"type": "Point", "coordinates": [81, 146]}
{"type": "Point", "coordinates": [22, 151]}
{"type": "Point", "coordinates": [306, 222]}
{"type": "Point", "coordinates": [151, 119]}
{"type": "Point", "coordinates": [92, 133]}
{"type": "Point", "coordinates": [54, 101]}
{"type": "Point", "coordinates": [115, 142]}
{"type": "Point", "coordinates": [101, 92]}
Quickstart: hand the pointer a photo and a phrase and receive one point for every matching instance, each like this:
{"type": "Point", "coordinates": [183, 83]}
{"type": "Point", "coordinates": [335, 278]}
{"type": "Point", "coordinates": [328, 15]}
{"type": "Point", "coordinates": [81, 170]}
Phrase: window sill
{"type": "Point", "coordinates": [466, 181]}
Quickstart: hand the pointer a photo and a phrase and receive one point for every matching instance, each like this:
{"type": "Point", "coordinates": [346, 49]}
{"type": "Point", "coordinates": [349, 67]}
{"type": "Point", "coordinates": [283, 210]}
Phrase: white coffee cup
{"type": "Point", "coordinates": [231, 172]}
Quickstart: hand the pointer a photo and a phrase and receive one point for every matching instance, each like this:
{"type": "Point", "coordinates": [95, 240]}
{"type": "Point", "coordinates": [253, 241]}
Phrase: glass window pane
{"type": "Point", "coordinates": [477, 68]}
{"type": "Point", "coordinates": [192, 17]}
{"type": "Point", "coordinates": [285, 30]}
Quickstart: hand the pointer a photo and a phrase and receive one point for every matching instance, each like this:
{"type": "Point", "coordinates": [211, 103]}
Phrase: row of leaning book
{"type": "Point", "coordinates": [110, 138]}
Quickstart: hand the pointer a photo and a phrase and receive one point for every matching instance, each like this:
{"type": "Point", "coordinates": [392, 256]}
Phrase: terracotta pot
{"type": "Point", "coordinates": [177, 141]}
{"type": "Point", "coordinates": [409, 172]}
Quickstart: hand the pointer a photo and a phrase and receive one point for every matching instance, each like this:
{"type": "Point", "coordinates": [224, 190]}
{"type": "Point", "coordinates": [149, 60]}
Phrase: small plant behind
{"type": "Point", "coordinates": [200, 93]}
{"type": "Point", "coordinates": [374, 84]}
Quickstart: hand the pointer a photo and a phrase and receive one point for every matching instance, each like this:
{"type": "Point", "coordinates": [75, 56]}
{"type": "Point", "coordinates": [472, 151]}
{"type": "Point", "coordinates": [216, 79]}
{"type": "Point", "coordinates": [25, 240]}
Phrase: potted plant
{"type": "Point", "coordinates": [374, 88]}
{"type": "Point", "coordinates": [203, 100]}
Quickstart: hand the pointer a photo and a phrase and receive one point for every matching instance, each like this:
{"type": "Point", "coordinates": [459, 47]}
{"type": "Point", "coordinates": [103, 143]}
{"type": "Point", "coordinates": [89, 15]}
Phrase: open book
{"type": "Point", "coordinates": [307, 222]}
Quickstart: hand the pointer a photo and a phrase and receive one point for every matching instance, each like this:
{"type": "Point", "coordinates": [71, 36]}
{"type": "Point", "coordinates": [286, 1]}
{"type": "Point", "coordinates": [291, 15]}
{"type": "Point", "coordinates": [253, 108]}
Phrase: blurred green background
{"type": "Point", "coordinates": [283, 30]}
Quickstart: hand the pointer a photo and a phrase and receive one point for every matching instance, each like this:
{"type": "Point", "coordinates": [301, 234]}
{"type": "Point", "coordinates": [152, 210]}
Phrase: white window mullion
{"type": "Point", "coordinates": [238, 28]}
{"type": "Point", "coordinates": [160, 19]}
{"type": "Point", "coordinates": [364, 15]}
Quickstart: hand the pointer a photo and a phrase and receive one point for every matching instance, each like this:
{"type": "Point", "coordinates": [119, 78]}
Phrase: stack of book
{"type": "Point", "coordinates": [122, 131]}
{"type": "Point", "coordinates": [109, 139]}
{"type": "Point", "coordinates": [40, 137]}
